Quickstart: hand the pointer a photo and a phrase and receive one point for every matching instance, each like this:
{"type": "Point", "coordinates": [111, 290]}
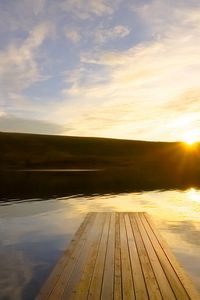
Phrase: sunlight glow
{"type": "Point", "coordinates": [190, 137]}
{"type": "Point", "coordinates": [193, 195]}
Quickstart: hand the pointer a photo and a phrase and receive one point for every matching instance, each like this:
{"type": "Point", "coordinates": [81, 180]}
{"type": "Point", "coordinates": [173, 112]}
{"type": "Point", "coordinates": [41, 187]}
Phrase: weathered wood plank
{"type": "Point", "coordinates": [84, 258]}
{"type": "Point", "coordinates": [97, 276]}
{"type": "Point", "coordinates": [150, 280]}
{"type": "Point", "coordinates": [118, 256]}
{"type": "Point", "coordinates": [67, 259]}
{"type": "Point", "coordinates": [73, 260]}
{"type": "Point", "coordinates": [174, 282]}
{"type": "Point", "coordinates": [117, 279]}
{"type": "Point", "coordinates": [127, 280]}
{"type": "Point", "coordinates": [163, 283]}
{"type": "Point", "coordinates": [138, 277]}
{"type": "Point", "coordinates": [108, 276]}
{"type": "Point", "coordinates": [81, 291]}
{"type": "Point", "coordinates": [176, 268]}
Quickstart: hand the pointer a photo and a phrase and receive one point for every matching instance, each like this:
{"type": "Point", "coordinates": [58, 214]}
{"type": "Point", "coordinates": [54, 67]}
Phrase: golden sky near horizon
{"type": "Point", "coordinates": [124, 69]}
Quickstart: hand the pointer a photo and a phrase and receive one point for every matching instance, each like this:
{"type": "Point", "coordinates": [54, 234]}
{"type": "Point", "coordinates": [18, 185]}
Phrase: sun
{"type": "Point", "coordinates": [190, 138]}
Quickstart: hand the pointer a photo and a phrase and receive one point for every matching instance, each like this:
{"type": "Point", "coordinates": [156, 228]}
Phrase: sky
{"type": "Point", "coordinates": [107, 68]}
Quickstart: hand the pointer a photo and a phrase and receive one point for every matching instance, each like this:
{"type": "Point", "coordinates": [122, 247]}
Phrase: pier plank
{"type": "Point", "coordinates": [67, 260]}
{"type": "Point", "coordinates": [162, 280]}
{"type": "Point", "coordinates": [117, 279]}
{"type": "Point", "coordinates": [108, 277]}
{"type": "Point", "coordinates": [177, 269]}
{"type": "Point", "coordinates": [126, 273]}
{"type": "Point", "coordinates": [84, 259]}
{"type": "Point", "coordinates": [97, 276]}
{"type": "Point", "coordinates": [138, 277]}
{"type": "Point", "coordinates": [150, 280]}
{"type": "Point", "coordinates": [118, 256]}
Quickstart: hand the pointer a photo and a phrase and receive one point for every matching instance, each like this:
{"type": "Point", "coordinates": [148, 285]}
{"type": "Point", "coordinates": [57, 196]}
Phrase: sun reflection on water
{"type": "Point", "coordinates": [31, 230]}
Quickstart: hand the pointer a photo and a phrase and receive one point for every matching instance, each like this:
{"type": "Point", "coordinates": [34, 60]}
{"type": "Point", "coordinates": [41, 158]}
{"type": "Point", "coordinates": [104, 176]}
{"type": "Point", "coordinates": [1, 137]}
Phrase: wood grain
{"type": "Point", "coordinates": [118, 256]}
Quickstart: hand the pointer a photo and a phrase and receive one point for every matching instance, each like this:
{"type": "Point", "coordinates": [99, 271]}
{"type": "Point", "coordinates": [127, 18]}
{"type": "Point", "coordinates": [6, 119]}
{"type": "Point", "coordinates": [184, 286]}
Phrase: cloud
{"type": "Point", "coordinates": [140, 92]}
{"type": "Point", "coordinates": [14, 124]}
{"type": "Point", "coordinates": [73, 35]}
{"type": "Point", "coordinates": [87, 9]}
{"type": "Point", "coordinates": [162, 17]}
{"type": "Point", "coordinates": [145, 90]}
{"type": "Point", "coordinates": [18, 64]}
{"type": "Point", "coordinates": [189, 101]}
{"type": "Point", "coordinates": [38, 6]}
{"type": "Point", "coordinates": [102, 35]}
{"type": "Point", "coordinates": [20, 15]}
{"type": "Point", "coordinates": [2, 114]}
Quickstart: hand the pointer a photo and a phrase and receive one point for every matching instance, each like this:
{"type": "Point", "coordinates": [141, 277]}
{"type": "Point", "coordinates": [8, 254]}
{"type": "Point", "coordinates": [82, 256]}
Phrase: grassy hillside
{"type": "Point", "coordinates": [44, 151]}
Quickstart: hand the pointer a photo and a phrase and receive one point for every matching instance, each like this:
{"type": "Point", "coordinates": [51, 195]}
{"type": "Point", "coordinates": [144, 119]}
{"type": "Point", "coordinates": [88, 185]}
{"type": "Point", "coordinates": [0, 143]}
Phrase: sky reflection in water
{"type": "Point", "coordinates": [34, 233]}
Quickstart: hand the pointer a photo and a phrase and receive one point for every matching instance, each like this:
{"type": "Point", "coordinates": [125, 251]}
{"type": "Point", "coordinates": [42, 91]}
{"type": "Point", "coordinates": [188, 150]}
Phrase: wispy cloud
{"type": "Point", "coordinates": [18, 64]}
{"type": "Point", "coordinates": [103, 35]}
{"type": "Point", "coordinates": [152, 80]}
{"type": "Point", "coordinates": [189, 101]}
{"type": "Point", "coordinates": [145, 86]}
{"type": "Point", "coordinates": [9, 123]}
{"type": "Point", "coordinates": [87, 9]}
{"type": "Point", "coordinates": [73, 35]}
{"type": "Point", "coordinates": [20, 15]}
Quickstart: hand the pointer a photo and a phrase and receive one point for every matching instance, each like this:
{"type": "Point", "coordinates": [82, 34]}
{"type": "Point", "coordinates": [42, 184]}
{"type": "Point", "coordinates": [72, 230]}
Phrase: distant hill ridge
{"type": "Point", "coordinates": [19, 150]}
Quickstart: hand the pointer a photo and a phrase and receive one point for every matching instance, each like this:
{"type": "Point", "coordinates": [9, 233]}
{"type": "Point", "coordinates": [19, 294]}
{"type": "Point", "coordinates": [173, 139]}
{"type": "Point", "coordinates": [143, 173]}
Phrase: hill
{"type": "Point", "coordinates": [45, 151]}
{"type": "Point", "coordinates": [127, 165]}
{"type": "Point", "coordinates": [19, 151]}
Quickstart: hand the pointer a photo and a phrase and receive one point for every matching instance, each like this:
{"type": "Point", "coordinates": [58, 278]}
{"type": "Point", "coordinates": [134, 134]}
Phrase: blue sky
{"type": "Point", "coordinates": [124, 69]}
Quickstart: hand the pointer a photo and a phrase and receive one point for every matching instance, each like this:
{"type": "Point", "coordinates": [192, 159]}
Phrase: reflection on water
{"type": "Point", "coordinates": [35, 232]}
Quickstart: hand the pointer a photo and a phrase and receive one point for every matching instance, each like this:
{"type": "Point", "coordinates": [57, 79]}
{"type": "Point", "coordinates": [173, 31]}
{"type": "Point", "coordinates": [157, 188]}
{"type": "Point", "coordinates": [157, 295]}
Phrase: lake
{"type": "Point", "coordinates": [39, 215]}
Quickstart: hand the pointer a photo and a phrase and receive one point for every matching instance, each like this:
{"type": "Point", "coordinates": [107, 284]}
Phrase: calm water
{"type": "Point", "coordinates": [34, 232]}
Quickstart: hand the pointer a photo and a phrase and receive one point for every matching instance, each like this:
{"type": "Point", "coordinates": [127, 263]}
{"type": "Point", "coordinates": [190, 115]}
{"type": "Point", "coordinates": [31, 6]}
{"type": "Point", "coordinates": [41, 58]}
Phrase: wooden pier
{"type": "Point", "coordinates": [118, 256]}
